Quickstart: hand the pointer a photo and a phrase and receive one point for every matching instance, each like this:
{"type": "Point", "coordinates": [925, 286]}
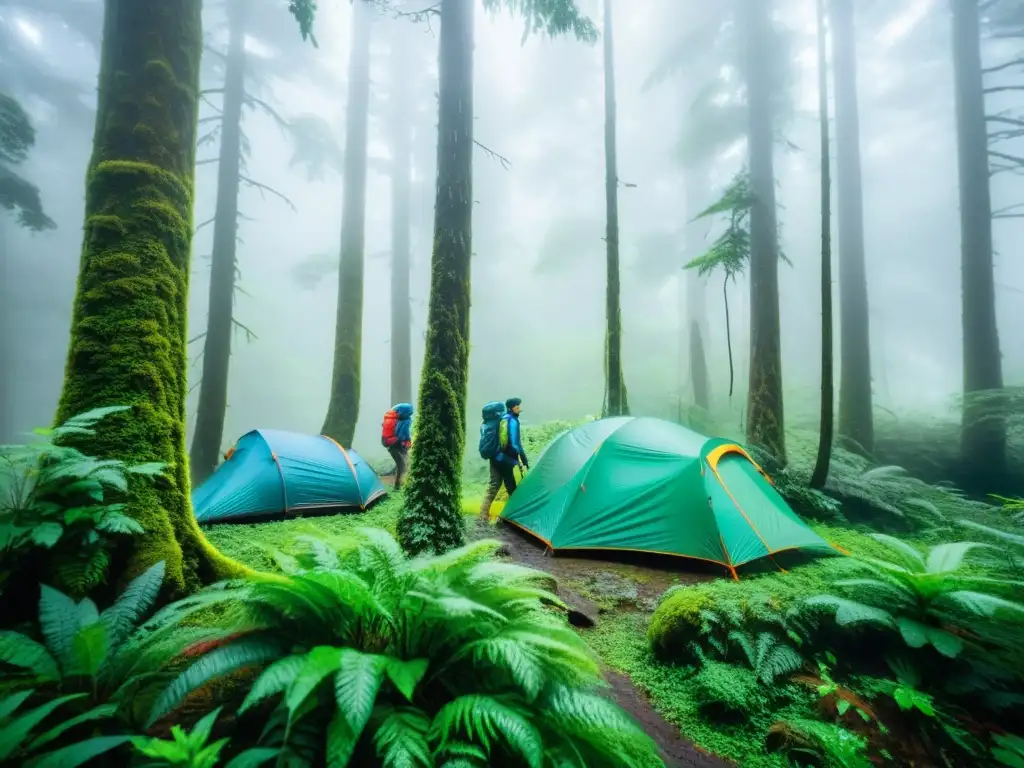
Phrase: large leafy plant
{"type": "Point", "coordinates": [929, 599]}
{"type": "Point", "coordinates": [28, 735]}
{"type": "Point", "coordinates": [114, 667]}
{"type": "Point", "coordinates": [373, 658]}
{"type": "Point", "coordinates": [55, 498]}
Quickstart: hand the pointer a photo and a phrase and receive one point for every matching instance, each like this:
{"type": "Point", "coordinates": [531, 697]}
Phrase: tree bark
{"type": "Point", "coordinates": [401, 193]}
{"type": "Point", "coordinates": [821, 465]}
{"type": "Point", "coordinates": [213, 389]}
{"type": "Point", "coordinates": [7, 361]}
{"type": "Point", "coordinates": [856, 414]}
{"type": "Point", "coordinates": [765, 416]}
{"type": "Point", "coordinates": [615, 399]}
{"type": "Point", "coordinates": [983, 443]}
{"type": "Point", "coordinates": [128, 330]}
{"type": "Point", "coordinates": [343, 409]}
{"type": "Point", "coordinates": [696, 304]}
{"type": "Point", "coordinates": [432, 518]}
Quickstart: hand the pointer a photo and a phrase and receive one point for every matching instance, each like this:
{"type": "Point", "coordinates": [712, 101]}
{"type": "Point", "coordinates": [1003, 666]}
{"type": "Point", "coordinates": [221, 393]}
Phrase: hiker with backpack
{"type": "Point", "coordinates": [501, 444]}
{"type": "Point", "coordinates": [396, 436]}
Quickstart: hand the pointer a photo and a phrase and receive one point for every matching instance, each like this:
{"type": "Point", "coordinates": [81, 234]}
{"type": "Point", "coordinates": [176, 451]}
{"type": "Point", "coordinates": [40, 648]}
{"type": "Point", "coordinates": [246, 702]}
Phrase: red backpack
{"type": "Point", "coordinates": [387, 431]}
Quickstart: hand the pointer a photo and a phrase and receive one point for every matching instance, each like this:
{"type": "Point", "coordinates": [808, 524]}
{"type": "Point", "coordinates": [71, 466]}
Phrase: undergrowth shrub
{"type": "Point", "coordinates": [368, 656]}
{"type": "Point", "coordinates": [56, 516]}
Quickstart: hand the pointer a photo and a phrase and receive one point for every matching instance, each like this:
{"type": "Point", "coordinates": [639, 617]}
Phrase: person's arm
{"type": "Point", "coordinates": [516, 442]}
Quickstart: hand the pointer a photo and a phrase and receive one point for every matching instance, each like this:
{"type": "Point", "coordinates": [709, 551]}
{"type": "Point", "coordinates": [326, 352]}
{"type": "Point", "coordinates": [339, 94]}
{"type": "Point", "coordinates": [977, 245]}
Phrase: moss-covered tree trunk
{"type": "Point", "coordinates": [765, 418]}
{"type": "Point", "coordinates": [401, 185]}
{"type": "Point", "coordinates": [432, 518]}
{"type": "Point", "coordinates": [6, 345]}
{"type": "Point", "coordinates": [856, 417]}
{"type": "Point", "coordinates": [984, 432]}
{"type": "Point", "coordinates": [825, 433]}
{"type": "Point", "coordinates": [343, 409]}
{"type": "Point", "coordinates": [128, 330]}
{"type": "Point", "coordinates": [213, 389]}
{"type": "Point", "coordinates": [616, 403]}
{"type": "Point", "coordinates": [696, 305]}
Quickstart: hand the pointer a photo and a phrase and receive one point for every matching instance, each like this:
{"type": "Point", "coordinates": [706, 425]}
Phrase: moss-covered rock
{"type": "Point", "coordinates": [128, 333]}
{"type": "Point", "coordinates": [676, 624]}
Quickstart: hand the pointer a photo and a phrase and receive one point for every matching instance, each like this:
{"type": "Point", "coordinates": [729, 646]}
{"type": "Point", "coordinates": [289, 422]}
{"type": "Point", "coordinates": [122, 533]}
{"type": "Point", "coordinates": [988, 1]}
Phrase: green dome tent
{"type": "Point", "coordinates": [648, 485]}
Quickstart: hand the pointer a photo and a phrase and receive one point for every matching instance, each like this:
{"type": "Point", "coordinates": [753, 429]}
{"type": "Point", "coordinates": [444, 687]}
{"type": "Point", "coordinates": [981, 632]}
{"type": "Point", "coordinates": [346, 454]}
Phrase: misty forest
{"type": "Point", "coordinates": [344, 423]}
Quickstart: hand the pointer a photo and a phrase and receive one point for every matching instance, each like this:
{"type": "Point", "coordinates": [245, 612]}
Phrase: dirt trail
{"type": "Point", "coordinates": [585, 584]}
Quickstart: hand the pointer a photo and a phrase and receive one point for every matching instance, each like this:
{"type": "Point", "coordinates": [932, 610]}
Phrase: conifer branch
{"type": "Point", "coordinates": [505, 162]}
{"type": "Point", "coordinates": [264, 188]}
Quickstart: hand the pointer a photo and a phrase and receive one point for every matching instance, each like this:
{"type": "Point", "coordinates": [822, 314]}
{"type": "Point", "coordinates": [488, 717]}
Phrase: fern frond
{"type": "Point", "coordinates": [401, 738]}
{"type": "Point", "coordinates": [484, 719]}
{"type": "Point", "coordinates": [137, 598]}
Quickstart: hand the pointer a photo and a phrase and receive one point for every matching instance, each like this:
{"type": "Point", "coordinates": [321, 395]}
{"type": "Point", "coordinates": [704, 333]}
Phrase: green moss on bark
{"type": "Point", "coordinates": [128, 332]}
{"type": "Point", "coordinates": [432, 518]}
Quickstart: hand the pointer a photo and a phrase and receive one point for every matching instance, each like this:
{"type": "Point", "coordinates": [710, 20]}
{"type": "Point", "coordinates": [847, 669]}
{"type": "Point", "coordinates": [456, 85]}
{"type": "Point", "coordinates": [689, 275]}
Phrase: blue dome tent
{"type": "Point", "coordinates": [270, 473]}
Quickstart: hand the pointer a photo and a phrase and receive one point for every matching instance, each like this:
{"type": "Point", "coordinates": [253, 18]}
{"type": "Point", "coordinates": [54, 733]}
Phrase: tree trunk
{"type": "Point", "coordinates": [856, 415]}
{"type": "Point", "coordinates": [821, 465]}
{"type": "Point", "coordinates": [128, 329]}
{"type": "Point", "coordinates": [616, 400]}
{"type": "Point", "coordinates": [983, 444]}
{"type": "Point", "coordinates": [696, 305]}
{"type": "Point", "coordinates": [8, 365]}
{"type": "Point", "coordinates": [765, 417]}
{"type": "Point", "coordinates": [213, 389]}
{"type": "Point", "coordinates": [343, 410]}
{"type": "Point", "coordinates": [432, 518]}
{"type": "Point", "coordinates": [401, 185]}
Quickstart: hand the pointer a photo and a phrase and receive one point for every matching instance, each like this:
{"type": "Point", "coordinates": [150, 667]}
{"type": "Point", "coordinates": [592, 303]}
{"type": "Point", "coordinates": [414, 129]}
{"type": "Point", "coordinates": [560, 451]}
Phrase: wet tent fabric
{"type": "Point", "coordinates": [270, 472]}
{"type": "Point", "coordinates": [650, 485]}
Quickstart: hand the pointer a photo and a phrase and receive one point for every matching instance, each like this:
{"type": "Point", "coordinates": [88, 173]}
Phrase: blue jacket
{"type": "Point", "coordinates": [515, 453]}
{"type": "Point", "coordinates": [403, 428]}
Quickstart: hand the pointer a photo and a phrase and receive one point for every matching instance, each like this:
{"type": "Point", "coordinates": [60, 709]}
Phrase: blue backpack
{"type": "Point", "coordinates": [492, 413]}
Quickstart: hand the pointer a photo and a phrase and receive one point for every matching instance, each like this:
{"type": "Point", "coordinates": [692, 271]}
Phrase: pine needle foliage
{"type": "Point", "coordinates": [371, 657]}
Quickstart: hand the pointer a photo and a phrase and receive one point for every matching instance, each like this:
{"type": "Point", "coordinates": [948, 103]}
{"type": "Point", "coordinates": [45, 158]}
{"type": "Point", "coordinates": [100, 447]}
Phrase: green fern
{"type": "Point", "coordinates": [925, 597]}
{"type": "Point", "coordinates": [381, 657]}
{"type": "Point", "coordinates": [831, 743]}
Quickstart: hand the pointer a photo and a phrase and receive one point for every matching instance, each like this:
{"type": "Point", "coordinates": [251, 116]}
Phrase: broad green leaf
{"type": "Point", "coordinates": [21, 651]}
{"type": "Point", "coordinates": [946, 558]}
{"type": "Point", "coordinates": [221, 661]}
{"type": "Point", "coordinates": [137, 598]}
{"type": "Point", "coordinates": [356, 684]}
{"type": "Point", "coordinates": [76, 754]}
{"type": "Point", "coordinates": [150, 469]}
{"type": "Point", "coordinates": [275, 679]}
{"type": "Point", "coordinates": [17, 730]}
{"type": "Point", "coordinates": [318, 664]}
{"type": "Point", "coordinates": [47, 534]}
{"type": "Point", "coordinates": [90, 648]}
{"type": "Point", "coordinates": [341, 741]}
{"type": "Point", "coordinates": [59, 622]}
{"type": "Point", "coordinates": [9, 704]}
{"type": "Point", "coordinates": [406, 675]}
{"type": "Point", "coordinates": [101, 712]}
{"type": "Point", "coordinates": [910, 555]}
{"type": "Point", "coordinates": [253, 757]}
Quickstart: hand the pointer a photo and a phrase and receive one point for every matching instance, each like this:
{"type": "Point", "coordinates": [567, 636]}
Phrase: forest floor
{"type": "Point", "coordinates": [596, 592]}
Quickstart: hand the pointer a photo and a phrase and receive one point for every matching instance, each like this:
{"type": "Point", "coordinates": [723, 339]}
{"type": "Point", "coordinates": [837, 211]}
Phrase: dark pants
{"type": "Point", "coordinates": [502, 473]}
{"type": "Point", "coordinates": [400, 454]}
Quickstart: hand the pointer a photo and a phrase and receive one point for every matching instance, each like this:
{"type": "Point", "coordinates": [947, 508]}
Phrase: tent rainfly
{"type": "Point", "coordinates": [270, 473]}
{"type": "Point", "coordinates": [648, 485]}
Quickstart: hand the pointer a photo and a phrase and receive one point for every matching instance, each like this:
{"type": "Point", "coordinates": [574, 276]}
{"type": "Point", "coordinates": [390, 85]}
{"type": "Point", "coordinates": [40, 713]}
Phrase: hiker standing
{"type": "Point", "coordinates": [505, 452]}
{"type": "Point", "coordinates": [396, 436]}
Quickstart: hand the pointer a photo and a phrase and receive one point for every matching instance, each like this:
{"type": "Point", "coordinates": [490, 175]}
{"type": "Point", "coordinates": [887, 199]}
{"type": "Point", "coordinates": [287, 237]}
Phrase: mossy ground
{"type": "Point", "coordinates": [625, 595]}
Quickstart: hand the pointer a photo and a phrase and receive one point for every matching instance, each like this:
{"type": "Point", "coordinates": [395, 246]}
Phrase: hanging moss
{"type": "Point", "coordinates": [128, 333]}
